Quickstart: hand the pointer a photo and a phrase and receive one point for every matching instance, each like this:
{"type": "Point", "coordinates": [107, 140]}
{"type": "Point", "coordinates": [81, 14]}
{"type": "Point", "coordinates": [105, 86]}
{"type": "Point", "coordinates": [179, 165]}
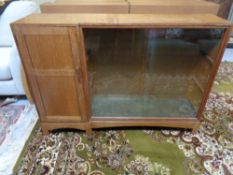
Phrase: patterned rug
{"type": "Point", "coordinates": [8, 117]}
{"type": "Point", "coordinates": [142, 151]}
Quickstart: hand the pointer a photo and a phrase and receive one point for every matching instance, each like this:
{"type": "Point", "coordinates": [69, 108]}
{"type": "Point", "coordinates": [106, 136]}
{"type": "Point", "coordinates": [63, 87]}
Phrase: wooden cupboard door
{"type": "Point", "coordinates": [49, 47]}
{"type": "Point", "coordinates": [59, 95]}
{"type": "Point", "coordinates": [53, 68]}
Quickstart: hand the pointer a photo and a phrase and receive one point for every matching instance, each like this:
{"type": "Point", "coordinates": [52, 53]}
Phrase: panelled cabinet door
{"type": "Point", "coordinates": [52, 64]}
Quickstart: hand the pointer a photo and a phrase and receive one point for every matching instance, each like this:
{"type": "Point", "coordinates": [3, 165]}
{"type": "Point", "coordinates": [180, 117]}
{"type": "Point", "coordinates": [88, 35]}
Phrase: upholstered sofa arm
{"type": "Point", "coordinates": [15, 68]}
{"type": "Point", "coordinates": [18, 74]}
{"type": "Point", "coordinates": [14, 11]}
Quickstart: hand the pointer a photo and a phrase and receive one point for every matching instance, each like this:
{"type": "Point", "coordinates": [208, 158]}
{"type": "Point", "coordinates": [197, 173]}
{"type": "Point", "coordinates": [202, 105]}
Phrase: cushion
{"type": "Point", "coordinates": [5, 73]}
{"type": "Point", "coordinates": [16, 10]}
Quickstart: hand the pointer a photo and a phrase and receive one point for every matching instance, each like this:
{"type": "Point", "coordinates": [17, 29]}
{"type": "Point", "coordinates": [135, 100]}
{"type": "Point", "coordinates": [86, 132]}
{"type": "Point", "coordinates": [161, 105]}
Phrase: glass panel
{"type": "Point", "coordinates": [149, 72]}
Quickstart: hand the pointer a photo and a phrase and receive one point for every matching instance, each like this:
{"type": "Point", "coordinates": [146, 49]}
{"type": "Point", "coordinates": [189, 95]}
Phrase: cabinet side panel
{"type": "Point", "coordinates": [26, 61]}
{"type": "Point", "coordinates": [219, 51]}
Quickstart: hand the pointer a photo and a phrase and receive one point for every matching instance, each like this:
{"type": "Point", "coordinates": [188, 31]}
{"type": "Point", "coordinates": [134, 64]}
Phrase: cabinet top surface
{"type": "Point", "coordinates": [132, 20]}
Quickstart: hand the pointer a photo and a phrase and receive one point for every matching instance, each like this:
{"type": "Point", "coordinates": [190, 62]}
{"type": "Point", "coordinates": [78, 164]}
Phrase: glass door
{"type": "Point", "coordinates": [149, 72]}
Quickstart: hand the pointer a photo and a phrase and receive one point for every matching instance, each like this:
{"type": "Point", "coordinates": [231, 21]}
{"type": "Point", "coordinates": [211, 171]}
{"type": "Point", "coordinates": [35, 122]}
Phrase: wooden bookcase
{"type": "Point", "coordinates": [90, 71]}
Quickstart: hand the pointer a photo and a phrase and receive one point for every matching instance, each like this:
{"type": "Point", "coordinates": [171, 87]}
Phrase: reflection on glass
{"type": "Point", "coordinates": [149, 72]}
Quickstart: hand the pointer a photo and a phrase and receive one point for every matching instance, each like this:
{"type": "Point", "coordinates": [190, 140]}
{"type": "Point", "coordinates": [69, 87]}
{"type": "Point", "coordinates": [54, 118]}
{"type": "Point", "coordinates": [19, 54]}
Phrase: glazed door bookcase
{"type": "Point", "coordinates": [149, 72]}
{"type": "Point", "coordinates": [140, 74]}
{"type": "Point", "coordinates": [120, 70]}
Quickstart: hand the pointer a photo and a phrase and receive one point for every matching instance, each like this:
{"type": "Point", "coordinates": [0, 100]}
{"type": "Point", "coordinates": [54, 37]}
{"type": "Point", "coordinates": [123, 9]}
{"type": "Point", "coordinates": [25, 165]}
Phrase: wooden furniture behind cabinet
{"type": "Point", "coordinates": [87, 6]}
{"type": "Point", "coordinates": [103, 70]}
{"type": "Point", "coordinates": [131, 6]}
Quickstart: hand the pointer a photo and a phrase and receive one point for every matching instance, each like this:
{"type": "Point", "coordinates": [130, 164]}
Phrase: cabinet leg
{"type": "Point", "coordinates": [45, 131]}
{"type": "Point", "coordinates": [195, 128]}
{"type": "Point", "coordinates": [89, 131]}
